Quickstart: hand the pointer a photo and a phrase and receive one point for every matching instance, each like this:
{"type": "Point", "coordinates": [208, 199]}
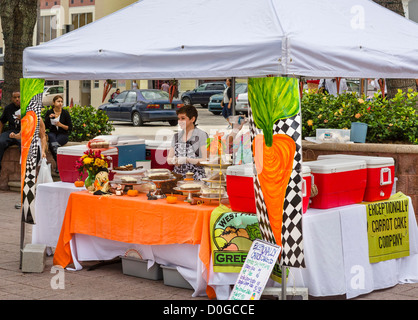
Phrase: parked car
{"type": "Point", "coordinates": [142, 105]}
{"type": "Point", "coordinates": [202, 93]}
{"type": "Point", "coordinates": [49, 93]}
{"type": "Point", "coordinates": [241, 105]}
{"type": "Point", "coordinates": [215, 100]}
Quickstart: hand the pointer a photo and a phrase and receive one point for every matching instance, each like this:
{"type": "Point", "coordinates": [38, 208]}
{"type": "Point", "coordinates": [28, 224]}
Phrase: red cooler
{"type": "Point", "coordinates": [240, 187]}
{"type": "Point", "coordinates": [380, 175]}
{"type": "Point", "coordinates": [157, 152]}
{"type": "Point", "coordinates": [306, 187]}
{"type": "Point", "coordinates": [67, 157]}
{"type": "Point", "coordinates": [340, 182]}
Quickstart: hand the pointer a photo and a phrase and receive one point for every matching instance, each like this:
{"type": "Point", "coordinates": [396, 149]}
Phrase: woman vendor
{"type": "Point", "coordinates": [58, 121]}
{"type": "Point", "coordinates": [188, 147]}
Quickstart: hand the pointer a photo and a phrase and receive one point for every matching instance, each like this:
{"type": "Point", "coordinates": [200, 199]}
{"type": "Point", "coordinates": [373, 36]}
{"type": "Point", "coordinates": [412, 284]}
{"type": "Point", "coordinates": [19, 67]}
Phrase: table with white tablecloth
{"type": "Point", "coordinates": [335, 246]}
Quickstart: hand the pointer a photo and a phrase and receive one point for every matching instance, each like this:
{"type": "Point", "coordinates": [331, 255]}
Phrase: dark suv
{"type": "Point", "coordinates": [202, 93]}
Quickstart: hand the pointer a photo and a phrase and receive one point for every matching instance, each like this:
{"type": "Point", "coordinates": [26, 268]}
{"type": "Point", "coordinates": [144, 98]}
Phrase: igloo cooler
{"type": "Point", "coordinates": [157, 153]}
{"type": "Point", "coordinates": [240, 187]}
{"type": "Point", "coordinates": [340, 182]}
{"type": "Point", "coordinates": [306, 187]}
{"type": "Point", "coordinates": [67, 157]}
{"type": "Point", "coordinates": [131, 148]}
{"type": "Point", "coordinates": [380, 175]}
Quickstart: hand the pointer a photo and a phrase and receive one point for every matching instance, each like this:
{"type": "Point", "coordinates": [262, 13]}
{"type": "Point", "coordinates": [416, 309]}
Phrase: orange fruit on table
{"type": "Point", "coordinates": [79, 183]}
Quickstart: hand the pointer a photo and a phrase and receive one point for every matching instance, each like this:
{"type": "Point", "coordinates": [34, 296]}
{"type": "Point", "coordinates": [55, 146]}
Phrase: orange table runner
{"type": "Point", "coordinates": [136, 220]}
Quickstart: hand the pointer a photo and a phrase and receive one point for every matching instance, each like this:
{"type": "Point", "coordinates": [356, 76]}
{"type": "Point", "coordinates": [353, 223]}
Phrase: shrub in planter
{"type": "Point", "coordinates": [88, 123]}
{"type": "Point", "coordinates": [394, 120]}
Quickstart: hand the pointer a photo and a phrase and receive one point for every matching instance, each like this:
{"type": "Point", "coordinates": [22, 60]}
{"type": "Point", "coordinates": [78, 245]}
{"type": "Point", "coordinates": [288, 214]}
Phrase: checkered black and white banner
{"type": "Point", "coordinates": [292, 240]}
{"type": "Point", "coordinates": [29, 183]}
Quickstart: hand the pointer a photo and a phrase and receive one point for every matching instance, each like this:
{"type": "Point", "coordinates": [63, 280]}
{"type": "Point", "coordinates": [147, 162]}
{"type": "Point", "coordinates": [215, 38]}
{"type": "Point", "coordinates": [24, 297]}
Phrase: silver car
{"type": "Point", "coordinates": [241, 105]}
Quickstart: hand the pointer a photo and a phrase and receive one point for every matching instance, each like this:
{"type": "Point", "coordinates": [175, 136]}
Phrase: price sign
{"type": "Point", "coordinates": [256, 270]}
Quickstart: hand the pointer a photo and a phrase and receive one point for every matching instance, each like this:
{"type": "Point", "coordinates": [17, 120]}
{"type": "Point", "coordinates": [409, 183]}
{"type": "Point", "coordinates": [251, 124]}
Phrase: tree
{"type": "Point", "coordinates": [18, 19]}
{"type": "Point", "coordinates": [394, 84]}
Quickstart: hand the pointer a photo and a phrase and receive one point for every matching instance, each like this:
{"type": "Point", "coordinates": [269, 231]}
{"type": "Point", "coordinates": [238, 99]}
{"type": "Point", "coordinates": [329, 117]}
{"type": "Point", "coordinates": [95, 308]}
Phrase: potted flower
{"type": "Point", "coordinates": [91, 162]}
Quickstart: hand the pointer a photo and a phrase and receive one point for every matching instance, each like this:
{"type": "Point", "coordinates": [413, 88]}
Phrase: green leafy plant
{"type": "Point", "coordinates": [389, 121]}
{"type": "Point", "coordinates": [88, 123]}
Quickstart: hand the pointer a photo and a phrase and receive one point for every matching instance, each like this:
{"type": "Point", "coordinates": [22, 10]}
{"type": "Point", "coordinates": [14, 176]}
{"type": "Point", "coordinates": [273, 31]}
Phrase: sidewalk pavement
{"type": "Point", "coordinates": [106, 282]}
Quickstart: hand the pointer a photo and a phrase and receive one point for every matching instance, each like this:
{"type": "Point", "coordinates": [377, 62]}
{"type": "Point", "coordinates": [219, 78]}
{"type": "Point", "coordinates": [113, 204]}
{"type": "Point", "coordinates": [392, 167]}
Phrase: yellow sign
{"type": "Point", "coordinates": [387, 228]}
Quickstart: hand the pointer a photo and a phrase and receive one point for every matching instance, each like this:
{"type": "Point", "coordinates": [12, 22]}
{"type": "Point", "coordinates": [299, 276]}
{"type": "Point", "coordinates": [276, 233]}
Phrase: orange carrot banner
{"type": "Point", "coordinates": [275, 112]}
{"type": "Point", "coordinates": [274, 166]}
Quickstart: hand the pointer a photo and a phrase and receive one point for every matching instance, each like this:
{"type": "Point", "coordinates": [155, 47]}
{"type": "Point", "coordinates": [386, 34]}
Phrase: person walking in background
{"type": "Point", "coordinates": [330, 86]}
{"type": "Point", "coordinates": [134, 85]}
{"type": "Point", "coordinates": [58, 122]}
{"type": "Point", "coordinates": [165, 86]}
{"type": "Point", "coordinates": [115, 94]}
{"type": "Point", "coordinates": [226, 102]}
{"type": "Point", "coordinates": [11, 118]}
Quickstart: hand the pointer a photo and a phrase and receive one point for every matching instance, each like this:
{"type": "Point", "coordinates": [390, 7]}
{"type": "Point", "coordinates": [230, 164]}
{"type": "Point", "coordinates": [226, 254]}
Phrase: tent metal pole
{"type": "Point", "coordinates": [233, 95]}
{"type": "Point", "coordinates": [22, 241]}
{"type": "Point", "coordinates": [284, 284]}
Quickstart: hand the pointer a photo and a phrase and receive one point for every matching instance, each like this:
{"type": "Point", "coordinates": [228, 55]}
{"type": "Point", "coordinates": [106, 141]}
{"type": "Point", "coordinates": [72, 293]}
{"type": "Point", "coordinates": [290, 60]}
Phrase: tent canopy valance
{"type": "Point", "coordinates": [165, 39]}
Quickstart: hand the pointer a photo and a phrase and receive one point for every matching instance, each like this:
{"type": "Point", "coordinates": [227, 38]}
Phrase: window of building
{"type": "Point", "coordinates": [46, 28]}
{"type": "Point", "coordinates": [96, 84]}
{"type": "Point", "coordinates": [81, 19]}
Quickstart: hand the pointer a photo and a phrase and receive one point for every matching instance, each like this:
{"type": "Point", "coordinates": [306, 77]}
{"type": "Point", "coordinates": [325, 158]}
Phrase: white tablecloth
{"type": "Point", "coordinates": [50, 204]}
{"type": "Point", "coordinates": [335, 245]}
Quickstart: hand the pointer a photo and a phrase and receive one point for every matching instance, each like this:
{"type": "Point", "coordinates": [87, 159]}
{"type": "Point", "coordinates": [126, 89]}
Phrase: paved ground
{"type": "Point", "coordinates": [107, 282]}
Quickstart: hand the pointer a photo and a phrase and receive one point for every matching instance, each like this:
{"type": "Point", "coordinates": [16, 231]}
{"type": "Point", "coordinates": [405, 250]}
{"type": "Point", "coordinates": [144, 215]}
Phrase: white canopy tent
{"type": "Point", "coordinates": [189, 39]}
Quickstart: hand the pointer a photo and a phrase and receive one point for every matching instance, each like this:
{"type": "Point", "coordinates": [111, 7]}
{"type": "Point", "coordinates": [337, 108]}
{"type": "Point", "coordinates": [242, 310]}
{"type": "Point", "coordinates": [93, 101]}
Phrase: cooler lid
{"type": "Point", "coordinates": [306, 170]}
{"type": "Point", "coordinates": [78, 150]}
{"type": "Point", "coordinates": [120, 140]}
{"type": "Point", "coordinates": [164, 144]}
{"type": "Point", "coordinates": [242, 170]}
{"type": "Point", "coordinates": [372, 162]}
{"type": "Point", "coordinates": [336, 165]}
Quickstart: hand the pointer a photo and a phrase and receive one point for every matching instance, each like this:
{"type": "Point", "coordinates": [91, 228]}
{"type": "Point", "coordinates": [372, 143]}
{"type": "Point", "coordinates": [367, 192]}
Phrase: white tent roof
{"type": "Point", "coordinates": [165, 39]}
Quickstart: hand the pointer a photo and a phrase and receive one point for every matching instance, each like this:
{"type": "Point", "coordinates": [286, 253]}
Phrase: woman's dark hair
{"type": "Point", "coordinates": [57, 97]}
{"type": "Point", "coordinates": [189, 110]}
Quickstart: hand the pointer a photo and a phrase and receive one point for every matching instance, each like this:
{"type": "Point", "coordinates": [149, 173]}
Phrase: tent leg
{"type": "Point", "coordinates": [22, 241]}
{"type": "Point", "coordinates": [233, 95]}
{"type": "Point", "coordinates": [284, 284]}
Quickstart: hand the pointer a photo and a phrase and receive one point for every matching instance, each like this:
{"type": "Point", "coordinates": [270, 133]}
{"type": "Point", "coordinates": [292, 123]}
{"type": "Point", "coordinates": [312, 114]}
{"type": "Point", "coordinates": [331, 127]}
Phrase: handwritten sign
{"type": "Point", "coordinates": [256, 270]}
{"type": "Point", "coordinates": [388, 230]}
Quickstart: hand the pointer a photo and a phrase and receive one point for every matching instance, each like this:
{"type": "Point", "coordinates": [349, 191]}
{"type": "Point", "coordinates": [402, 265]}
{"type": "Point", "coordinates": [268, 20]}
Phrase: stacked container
{"type": "Point", "coordinates": [380, 175]}
{"type": "Point", "coordinates": [339, 183]}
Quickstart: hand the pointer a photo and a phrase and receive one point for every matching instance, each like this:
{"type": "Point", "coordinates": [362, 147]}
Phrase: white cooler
{"type": "Point", "coordinates": [380, 175]}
